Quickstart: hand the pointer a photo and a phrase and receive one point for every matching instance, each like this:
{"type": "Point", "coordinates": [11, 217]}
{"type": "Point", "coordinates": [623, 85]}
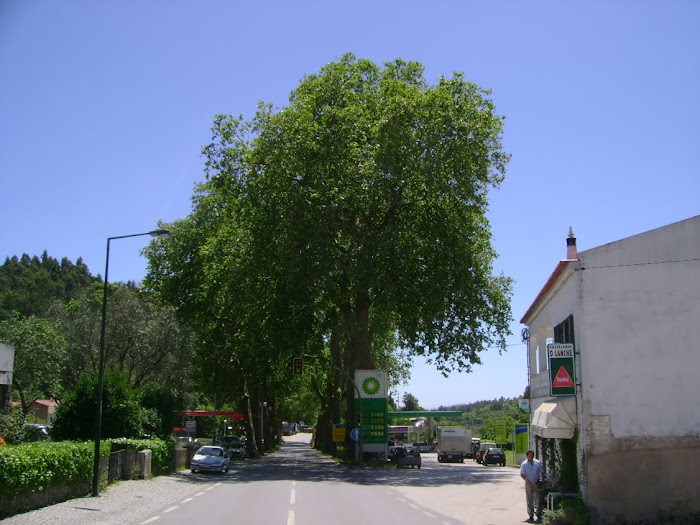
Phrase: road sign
{"type": "Point", "coordinates": [355, 434]}
{"type": "Point", "coordinates": [522, 439]}
{"type": "Point", "coordinates": [501, 434]}
{"type": "Point", "coordinates": [562, 375]}
{"type": "Point", "coordinates": [338, 433]}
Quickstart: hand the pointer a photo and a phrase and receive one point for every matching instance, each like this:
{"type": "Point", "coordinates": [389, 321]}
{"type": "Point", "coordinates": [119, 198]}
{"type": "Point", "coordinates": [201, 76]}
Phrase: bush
{"type": "Point", "coordinates": [33, 467]}
{"type": "Point", "coordinates": [12, 427]}
{"type": "Point", "coordinates": [121, 412]}
{"type": "Point", "coordinates": [163, 451]}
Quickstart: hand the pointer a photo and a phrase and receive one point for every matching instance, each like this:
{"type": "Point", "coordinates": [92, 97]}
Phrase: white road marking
{"type": "Point", "coordinates": [171, 509]}
{"type": "Point", "coordinates": [290, 518]}
{"type": "Point", "coordinates": [186, 500]}
{"type": "Point", "coordinates": [430, 514]}
{"type": "Point", "coordinates": [199, 494]}
{"type": "Point", "coordinates": [294, 483]}
{"type": "Point", "coordinates": [292, 497]}
{"type": "Point", "coordinates": [151, 520]}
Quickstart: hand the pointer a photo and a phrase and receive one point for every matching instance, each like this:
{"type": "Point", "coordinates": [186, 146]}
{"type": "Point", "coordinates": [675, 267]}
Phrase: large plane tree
{"type": "Point", "coordinates": [356, 213]}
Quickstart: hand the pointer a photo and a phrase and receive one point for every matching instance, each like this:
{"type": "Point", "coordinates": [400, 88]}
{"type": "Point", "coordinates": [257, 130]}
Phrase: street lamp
{"type": "Point", "coordinates": [262, 436]}
{"type": "Point", "coordinates": [162, 234]}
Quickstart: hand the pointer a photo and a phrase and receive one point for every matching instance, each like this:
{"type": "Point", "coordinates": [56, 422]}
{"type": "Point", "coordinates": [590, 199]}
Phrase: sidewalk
{"type": "Point", "coordinates": [125, 502]}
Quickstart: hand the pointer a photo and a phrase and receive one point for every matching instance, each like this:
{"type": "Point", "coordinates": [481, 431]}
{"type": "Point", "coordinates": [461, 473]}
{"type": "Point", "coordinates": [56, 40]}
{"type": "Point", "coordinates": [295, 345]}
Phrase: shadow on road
{"type": "Point", "coordinates": [298, 461]}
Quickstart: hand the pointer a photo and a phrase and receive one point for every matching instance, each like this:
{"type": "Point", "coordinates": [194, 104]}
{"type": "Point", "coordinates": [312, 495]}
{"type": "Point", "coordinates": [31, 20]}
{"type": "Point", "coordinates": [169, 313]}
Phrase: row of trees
{"type": "Point", "coordinates": [348, 227]}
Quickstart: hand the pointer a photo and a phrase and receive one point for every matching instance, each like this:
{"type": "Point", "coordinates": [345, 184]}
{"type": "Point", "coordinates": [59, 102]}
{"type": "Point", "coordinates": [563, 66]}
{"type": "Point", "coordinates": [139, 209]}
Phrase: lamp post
{"type": "Point", "coordinates": [162, 234]}
{"type": "Point", "coordinates": [262, 424]}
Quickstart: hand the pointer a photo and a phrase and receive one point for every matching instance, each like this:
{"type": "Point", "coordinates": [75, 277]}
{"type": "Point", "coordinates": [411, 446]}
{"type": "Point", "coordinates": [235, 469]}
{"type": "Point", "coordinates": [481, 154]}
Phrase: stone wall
{"type": "Point", "coordinates": [633, 483]}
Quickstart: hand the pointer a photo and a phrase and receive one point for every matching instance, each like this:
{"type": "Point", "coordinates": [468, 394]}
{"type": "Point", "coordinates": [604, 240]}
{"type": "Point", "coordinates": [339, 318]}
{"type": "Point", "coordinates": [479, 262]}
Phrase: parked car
{"type": "Point", "coordinates": [236, 449]}
{"type": "Point", "coordinates": [186, 441]}
{"type": "Point", "coordinates": [392, 452]}
{"type": "Point", "coordinates": [212, 459]}
{"type": "Point", "coordinates": [408, 457]}
{"type": "Point", "coordinates": [482, 450]}
{"type": "Point", "coordinates": [494, 456]}
{"type": "Point", "coordinates": [422, 446]}
{"type": "Point", "coordinates": [36, 432]}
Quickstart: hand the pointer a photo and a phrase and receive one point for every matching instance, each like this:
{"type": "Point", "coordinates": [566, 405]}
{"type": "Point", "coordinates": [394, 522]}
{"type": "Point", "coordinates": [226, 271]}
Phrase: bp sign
{"type": "Point", "coordinates": [562, 376]}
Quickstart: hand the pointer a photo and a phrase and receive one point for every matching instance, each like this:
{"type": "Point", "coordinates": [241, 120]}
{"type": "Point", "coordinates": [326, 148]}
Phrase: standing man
{"type": "Point", "coordinates": [532, 472]}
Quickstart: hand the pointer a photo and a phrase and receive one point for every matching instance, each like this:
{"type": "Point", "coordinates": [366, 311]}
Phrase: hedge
{"type": "Point", "coordinates": [163, 451]}
{"type": "Point", "coordinates": [33, 467]}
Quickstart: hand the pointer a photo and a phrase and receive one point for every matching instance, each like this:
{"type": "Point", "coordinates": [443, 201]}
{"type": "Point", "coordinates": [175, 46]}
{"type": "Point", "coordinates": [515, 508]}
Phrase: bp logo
{"type": "Point", "coordinates": [370, 386]}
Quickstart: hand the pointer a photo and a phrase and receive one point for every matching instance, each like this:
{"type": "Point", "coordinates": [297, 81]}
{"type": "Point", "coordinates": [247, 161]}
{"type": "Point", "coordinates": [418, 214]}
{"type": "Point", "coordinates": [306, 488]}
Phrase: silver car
{"type": "Point", "coordinates": [210, 459]}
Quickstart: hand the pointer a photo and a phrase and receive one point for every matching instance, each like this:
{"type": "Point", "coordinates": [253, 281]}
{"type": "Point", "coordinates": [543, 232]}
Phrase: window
{"type": "Point", "coordinates": [564, 331]}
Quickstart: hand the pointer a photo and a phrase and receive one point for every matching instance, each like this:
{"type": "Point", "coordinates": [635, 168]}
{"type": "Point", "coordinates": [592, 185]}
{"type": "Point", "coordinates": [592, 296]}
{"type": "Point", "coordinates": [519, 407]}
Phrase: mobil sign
{"type": "Point", "coordinates": [562, 376]}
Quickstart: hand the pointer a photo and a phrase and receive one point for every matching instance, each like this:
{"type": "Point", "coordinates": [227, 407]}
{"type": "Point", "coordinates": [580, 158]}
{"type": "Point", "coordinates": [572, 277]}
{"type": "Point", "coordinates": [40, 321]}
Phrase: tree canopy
{"type": "Point", "coordinates": [346, 225]}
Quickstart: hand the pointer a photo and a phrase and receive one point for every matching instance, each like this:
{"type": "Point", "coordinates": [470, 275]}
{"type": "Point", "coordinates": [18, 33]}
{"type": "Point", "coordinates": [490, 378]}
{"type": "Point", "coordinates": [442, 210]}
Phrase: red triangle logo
{"type": "Point", "coordinates": [562, 379]}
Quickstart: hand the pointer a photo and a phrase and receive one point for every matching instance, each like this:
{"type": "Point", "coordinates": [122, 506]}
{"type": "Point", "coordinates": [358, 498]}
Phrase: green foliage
{"type": "Point", "coordinates": [121, 411]}
{"type": "Point", "coordinates": [33, 467]}
{"type": "Point", "coordinates": [143, 340]}
{"type": "Point", "coordinates": [569, 511]}
{"type": "Point", "coordinates": [163, 450]}
{"type": "Point", "coordinates": [29, 285]}
{"type": "Point", "coordinates": [481, 415]}
{"type": "Point", "coordinates": [160, 405]}
{"type": "Point", "coordinates": [40, 358]}
{"type": "Point", "coordinates": [346, 225]}
{"type": "Point", "coordinates": [12, 427]}
{"type": "Point", "coordinates": [410, 403]}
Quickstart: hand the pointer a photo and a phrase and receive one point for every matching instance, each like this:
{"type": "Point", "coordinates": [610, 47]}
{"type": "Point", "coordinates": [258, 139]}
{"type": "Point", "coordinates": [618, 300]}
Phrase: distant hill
{"type": "Point", "coordinates": [28, 285]}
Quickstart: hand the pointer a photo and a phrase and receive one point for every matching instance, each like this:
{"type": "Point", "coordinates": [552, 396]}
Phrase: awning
{"type": "Point", "coordinates": [555, 420]}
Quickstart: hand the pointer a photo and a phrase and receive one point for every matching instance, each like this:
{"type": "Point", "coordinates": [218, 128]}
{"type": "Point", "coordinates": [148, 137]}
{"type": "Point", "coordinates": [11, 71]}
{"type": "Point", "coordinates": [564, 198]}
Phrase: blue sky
{"type": "Point", "coordinates": [104, 108]}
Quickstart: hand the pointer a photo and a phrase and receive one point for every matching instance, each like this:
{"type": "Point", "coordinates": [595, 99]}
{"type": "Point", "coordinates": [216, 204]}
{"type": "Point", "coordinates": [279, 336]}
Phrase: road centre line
{"type": "Point", "coordinates": [430, 514]}
{"type": "Point", "coordinates": [199, 494]}
{"type": "Point", "coordinates": [290, 518]}
{"type": "Point", "coordinates": [150, 520]}
{"type": "Point", "coordinates": [186, 500]}
{"type": "Point", "coordinates": [292, 497]}
{"type": "Point", "coordinates": [174, 507]}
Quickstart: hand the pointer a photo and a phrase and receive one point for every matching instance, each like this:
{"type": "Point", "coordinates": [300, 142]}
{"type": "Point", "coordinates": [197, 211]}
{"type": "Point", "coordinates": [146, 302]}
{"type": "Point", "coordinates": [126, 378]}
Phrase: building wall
{"type": "Point", "coordinates": [561, 303]}
{"type": "Point", "coordinates": [638, 334]}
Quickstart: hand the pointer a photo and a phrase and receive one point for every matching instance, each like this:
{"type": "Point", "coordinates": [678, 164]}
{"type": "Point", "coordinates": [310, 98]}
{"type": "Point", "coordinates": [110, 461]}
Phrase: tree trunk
{"type": "Point", "coordinates": [251, 442]}
{"type": "Point", "coordinates": [363, 355]}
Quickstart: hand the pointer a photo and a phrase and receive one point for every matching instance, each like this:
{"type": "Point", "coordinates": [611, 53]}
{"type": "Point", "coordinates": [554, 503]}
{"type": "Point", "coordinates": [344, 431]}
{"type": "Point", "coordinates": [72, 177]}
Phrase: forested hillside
{"type": "Point", "coordinates": [29, 285]}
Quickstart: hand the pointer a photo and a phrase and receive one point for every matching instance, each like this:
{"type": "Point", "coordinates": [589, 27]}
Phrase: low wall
{"type": "Point", "coordinates": [643, 484]}
{"type": "Point", "coordinates": [118, 466]}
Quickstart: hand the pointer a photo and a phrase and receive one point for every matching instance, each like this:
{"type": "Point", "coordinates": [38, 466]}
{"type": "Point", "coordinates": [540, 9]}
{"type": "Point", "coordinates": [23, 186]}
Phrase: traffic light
{"type": "Point", "coordinates": [298, 367]}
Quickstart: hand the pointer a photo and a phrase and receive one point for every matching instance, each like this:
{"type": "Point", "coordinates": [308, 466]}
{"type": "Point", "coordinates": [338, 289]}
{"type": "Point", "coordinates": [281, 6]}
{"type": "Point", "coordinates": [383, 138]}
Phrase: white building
{"type": "Point", "coordinates": [628, 440]}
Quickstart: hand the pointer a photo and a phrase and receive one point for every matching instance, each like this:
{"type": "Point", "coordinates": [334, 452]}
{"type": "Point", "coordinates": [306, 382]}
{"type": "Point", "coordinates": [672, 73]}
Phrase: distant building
{"type": "Point", "coordinates": [45, 409]}
{"type": "Point", "coordinates": [628, 439]}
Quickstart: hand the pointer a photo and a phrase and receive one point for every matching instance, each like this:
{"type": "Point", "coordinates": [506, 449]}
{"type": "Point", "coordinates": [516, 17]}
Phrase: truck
{"type": "Point", "coordinates": [454, 443]}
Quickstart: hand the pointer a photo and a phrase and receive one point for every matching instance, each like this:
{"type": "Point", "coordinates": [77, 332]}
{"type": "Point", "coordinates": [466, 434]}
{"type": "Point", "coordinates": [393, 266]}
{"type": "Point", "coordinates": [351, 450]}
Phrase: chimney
{"type": "Point", "coordinates": [571, 252]}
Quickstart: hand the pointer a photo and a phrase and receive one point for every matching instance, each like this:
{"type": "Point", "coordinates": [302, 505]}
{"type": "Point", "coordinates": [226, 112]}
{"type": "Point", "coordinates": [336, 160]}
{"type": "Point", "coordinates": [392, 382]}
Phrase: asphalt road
{"type": "Point", "coordinates": [298, 486]}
